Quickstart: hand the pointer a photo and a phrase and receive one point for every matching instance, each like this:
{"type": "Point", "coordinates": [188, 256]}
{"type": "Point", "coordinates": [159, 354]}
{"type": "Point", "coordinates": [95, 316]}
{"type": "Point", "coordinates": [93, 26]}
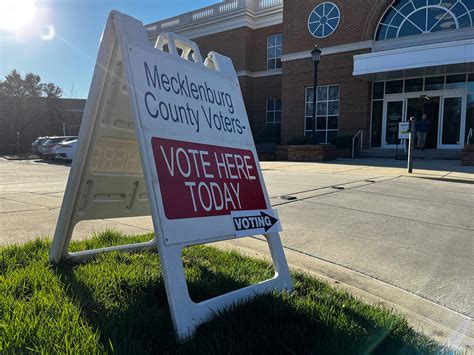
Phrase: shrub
{"type": "Point", "coordinates": [267, 134]}
{"type": "Point", "coordinates": [342, 141]}
{"type": "Point", "coordinates": [299, 140]}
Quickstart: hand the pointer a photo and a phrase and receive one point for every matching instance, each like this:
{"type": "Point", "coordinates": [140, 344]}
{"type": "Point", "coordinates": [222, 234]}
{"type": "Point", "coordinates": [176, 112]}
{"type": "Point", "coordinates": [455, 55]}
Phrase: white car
{"type": "Point", "coordinates": [65, 150]}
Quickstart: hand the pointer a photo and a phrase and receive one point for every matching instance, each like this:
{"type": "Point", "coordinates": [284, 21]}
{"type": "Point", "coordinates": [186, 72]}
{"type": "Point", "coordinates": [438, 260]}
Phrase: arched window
{"type": "Point", "coordinates": [412, 17]}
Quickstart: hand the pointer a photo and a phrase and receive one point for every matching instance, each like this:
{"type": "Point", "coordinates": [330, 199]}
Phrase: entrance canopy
{"type": "Point", "coordinates": [377, 65]}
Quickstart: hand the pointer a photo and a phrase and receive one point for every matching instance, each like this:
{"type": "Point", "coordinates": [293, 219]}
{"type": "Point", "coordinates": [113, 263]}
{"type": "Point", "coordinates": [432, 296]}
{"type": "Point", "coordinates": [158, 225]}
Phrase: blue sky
{"type": "Point", "coordinates": [60, 40]}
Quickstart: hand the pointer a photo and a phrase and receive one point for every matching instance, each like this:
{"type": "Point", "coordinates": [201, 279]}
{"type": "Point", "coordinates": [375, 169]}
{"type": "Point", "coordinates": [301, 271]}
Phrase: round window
{"type": "Point", "coordinates": [324, 19]}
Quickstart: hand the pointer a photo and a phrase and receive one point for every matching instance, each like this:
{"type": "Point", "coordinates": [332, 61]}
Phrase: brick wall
{"type": "Point", "coordinates": [248, 50]}
{"type": "Point", "coordinates": [355, 98]}
{"type": "Point", "coordinates": [359, 19]}
{"type": "Point", "coordinates": [246, 47]}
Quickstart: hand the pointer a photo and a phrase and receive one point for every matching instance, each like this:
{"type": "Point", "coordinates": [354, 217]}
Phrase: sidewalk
{"type": "Point", "coordinates": [434, 169]}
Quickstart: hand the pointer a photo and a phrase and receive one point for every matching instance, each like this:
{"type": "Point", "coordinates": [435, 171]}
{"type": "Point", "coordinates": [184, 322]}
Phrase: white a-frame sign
{"type": "Point", "coordinates": [166, 133]}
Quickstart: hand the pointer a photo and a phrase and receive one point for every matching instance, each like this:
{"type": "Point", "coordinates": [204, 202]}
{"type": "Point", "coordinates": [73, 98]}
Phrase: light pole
{"type": "Point", "coordinates": [316, 58]}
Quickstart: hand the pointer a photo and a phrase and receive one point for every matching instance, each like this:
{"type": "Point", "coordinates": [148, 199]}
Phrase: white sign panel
{"type": "Point", "coordinates": [255, 222]}
{"type": "Point", "coordinates": [198, 144]}
{"type": "Point", "coordinates": [404, 130]}
{"type": "Point", "coordinates": [167, 134]}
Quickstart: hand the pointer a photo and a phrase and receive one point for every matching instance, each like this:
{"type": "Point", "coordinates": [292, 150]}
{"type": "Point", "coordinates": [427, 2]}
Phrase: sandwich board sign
{"type": "Point", "coordinates": [404, 130]}
{"type": "Point", "coordinates": [166, 133]}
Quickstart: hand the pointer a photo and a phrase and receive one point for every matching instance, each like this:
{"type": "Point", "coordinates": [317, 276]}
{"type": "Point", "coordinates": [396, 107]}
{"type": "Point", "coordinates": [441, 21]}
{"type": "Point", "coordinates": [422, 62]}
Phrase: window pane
{"type": "Point", "coordinates": [270, 53]}
{"type": "Point", "coordinates": [377, 113]}
{"type": "Point", "coordinates": [309, 123]}
{"type": "Point", "coordinates": [270, 105]}
{"type": "Point", "coordinates": [278, 51]}
{"type": "Point", "coordinates": [469, 115]}
{"type": "Point", "coordinates": [333, 108]}
{"type": "Point", "coordinates": [279, 39]}
{"type": "Point", "coordinates": [394, 87]}
{"type": "Point", "coordinates": [271, 64]}
{"type": "Point", "coordinates": [434, 83]}
{"type": "Point", "coordinates": [321, 123]}
{"type": "Point", "coordinates": [322, 93]}
{"type": "Point", "coordinates": [447, 23]}
{"type": "Point", "coordinates": [271, 41]}
{"type": "Point", "coordinates": [334, 92]}
{"type": "Point", "coordinates": [413, 85]}
{"type": "Point", "coordinates": [409, 29]}
{"type": "Point", "coordinates": [456, 81]}
{"type": "Point", "coordinates": [419, 18]}
{"type": "Point", "coordinates": [452, 120]}
{"type": "Point", "coordinates": [277, 116]}
{"type": "Point", "coordinates": [394, 116]}
{"type": "Point", "coordinates": [406, 8]}
{"type": "Point", "coordinates": [378, 90]}
{"type": "Point", "coordinates": [309, 95]}
{"type": "Point", "coordinates": [309, 109]}
{"type": "Point", "coordinates": [278, 104]}
{"type": "Point", "coordinates": [470, 82]}
{"type": "Point", "coordinates": [332, 122]}
{"type": "Point", "coordinates": [397, 20]}
{"type": "Point", "coordinates": [322, 108]}
{"type": "Point", "coordinates": [278, 63]}
{"type": "Point", "coordinates": [321, 136]}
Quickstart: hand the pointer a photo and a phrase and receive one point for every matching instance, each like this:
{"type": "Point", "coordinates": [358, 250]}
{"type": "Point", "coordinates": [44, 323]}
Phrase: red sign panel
{"type": "Point", "coordinates": [201, 180]}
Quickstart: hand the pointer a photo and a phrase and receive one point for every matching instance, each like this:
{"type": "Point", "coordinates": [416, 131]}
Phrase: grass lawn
{"type": "Point", "coordinates": [117, 303]}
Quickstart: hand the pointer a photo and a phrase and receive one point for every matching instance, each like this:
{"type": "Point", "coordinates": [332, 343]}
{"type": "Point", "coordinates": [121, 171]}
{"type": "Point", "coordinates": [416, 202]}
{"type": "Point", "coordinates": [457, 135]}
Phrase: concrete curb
{"type": "Point", "coordinates": [440, 323]}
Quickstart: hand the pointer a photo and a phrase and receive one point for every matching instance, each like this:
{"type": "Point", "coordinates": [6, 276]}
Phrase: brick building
{"type": "Point", "coordinates": [31, 117]}
{"type": "Point", "coordinates": [382, 62]}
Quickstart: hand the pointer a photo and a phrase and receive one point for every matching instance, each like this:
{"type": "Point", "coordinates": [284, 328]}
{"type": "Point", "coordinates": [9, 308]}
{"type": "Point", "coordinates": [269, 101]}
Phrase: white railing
{"type": "Point", "coordinates": [361, 134]}
{"type": "Point", "coordinates": [170, 23]}
{"type": "Point", "coordinates": [218, 9]}
{"type": "Point", "coordinates": [203, 13]}
{"type": "Point", "coordinates": [269, 3]}
{"type": "Point", "coordinates": [228, 6]}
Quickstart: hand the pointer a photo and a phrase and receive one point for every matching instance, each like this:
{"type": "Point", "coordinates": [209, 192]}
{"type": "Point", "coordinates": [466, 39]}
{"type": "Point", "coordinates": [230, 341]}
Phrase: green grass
{"type": "Point", "coordinates": [117, 303]}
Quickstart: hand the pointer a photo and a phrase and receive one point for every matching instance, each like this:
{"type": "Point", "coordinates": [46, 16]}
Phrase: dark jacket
{"type": "Point", "coordinates": [423, 126]}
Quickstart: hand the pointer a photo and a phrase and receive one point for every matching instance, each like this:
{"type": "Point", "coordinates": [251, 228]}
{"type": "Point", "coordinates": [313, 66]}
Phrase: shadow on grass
{"type": "Point", "coordinates": [133, 317]}
{"type": "Point", "coordinates": [122, 296]}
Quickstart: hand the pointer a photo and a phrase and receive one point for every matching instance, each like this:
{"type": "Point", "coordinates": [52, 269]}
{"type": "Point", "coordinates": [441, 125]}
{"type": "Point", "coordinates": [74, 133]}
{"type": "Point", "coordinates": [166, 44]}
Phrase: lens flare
{"type": "Point", "coordinates": [14, 14]}
{"type": "Point", "coordinates": [49, 33]}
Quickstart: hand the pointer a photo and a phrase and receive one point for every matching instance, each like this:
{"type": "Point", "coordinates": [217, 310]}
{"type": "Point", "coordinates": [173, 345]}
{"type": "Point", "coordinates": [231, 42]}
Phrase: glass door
{"type": "Point", "coordinates": [451, 122]}
{"type": "Point", "coordinates": [394, 113]}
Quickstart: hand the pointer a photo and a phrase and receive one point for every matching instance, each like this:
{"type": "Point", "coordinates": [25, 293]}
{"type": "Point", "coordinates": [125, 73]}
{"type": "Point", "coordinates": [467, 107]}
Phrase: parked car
{"type": "Point", "coordinates": [65, 150]}
{"type": "Point", "coordinates": [46, 148]}
{"type": "Point", "coordinates": [35, 146]}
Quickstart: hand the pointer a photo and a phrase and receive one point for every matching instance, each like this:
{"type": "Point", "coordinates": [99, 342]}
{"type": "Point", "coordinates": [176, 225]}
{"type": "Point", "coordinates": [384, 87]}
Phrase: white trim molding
{"type": "Point", "coordinates": [350, 47]}
{"type": "Point", "coordinates": [439, 54]}
{"type": "Point", "coordinates": [221, 17]}
{"type": "Point", "coordinates": [259, 74]}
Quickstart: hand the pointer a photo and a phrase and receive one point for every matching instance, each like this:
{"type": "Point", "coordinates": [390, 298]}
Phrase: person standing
{"type": "Point", "coordinates": [422, 129]}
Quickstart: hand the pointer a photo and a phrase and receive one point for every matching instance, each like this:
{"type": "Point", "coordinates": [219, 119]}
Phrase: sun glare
{"type": "Point", "coordinates": [15, 14]}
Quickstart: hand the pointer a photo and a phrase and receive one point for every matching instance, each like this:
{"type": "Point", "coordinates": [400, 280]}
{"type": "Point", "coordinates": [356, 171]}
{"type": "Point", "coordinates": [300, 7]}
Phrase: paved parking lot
{"type": "Point", "coordinates": [407, 240]}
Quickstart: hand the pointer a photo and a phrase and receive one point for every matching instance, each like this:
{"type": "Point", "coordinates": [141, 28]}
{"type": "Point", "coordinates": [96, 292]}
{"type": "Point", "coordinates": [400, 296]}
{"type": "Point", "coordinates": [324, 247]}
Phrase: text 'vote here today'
{"type": "Point", "coordinates": [199, 180]}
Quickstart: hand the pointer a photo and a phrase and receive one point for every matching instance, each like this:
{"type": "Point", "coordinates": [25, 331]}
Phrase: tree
{"type": "Point", "coordinates": [31, 86]}
{"type": "Point", "coordinates": [25, 106]}
{"type": "Point", "coordinates": [52, 91]}
{"type": "Point", "coordinates": [12, 86]}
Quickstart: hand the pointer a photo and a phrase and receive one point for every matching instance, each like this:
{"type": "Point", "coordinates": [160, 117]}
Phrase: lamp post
{"type": "Point", "coordinates": [316, 58]}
